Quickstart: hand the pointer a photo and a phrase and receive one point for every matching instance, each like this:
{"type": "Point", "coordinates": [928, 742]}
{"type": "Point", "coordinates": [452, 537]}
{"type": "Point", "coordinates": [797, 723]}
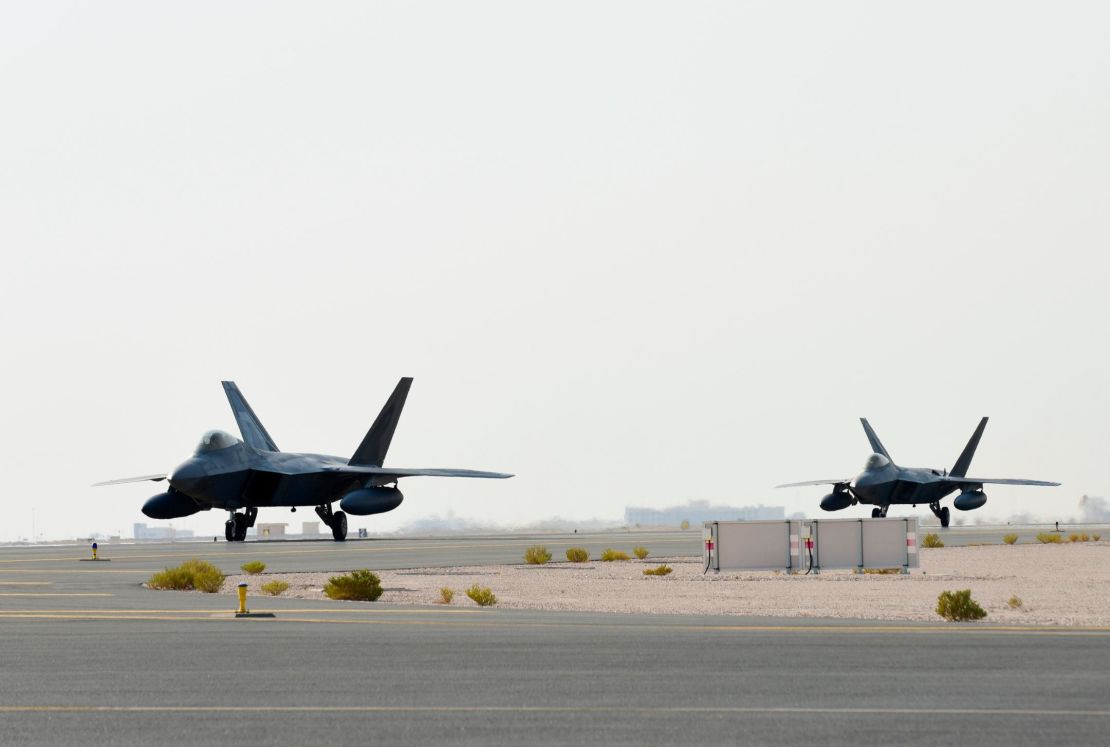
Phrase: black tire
{"type": "Point", "coordinates": [229, 530]}
{"type": "Point", "coordinates": [876, 513]}
{"type": "Point", "coordinates": [339, 526]}
{"type": "Point", "coordinates": [240, 527]}
{"type": "Point", "coordinates": [945, 515]}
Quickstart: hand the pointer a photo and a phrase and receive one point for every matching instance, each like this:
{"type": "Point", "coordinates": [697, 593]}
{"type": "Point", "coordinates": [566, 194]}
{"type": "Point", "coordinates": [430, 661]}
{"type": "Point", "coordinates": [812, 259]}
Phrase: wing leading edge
{"type": "Point", "coordinates": [420, 472]}
{"type": "Point", "coordinates": [811, 483]}
{"type": "Point", "coordinates": [957, 480]}
{"type": "Point", "coordinates": [122, 480]}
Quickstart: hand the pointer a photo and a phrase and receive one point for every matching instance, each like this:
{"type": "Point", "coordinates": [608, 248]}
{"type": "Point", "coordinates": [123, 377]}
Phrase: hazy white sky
{"type": "Point", "coordinates": [635, 252]}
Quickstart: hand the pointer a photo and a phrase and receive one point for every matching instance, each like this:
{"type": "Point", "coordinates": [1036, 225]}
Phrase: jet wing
{"type": "Point", "coordinates": [810, 483]}
{"type": "Point", "coordinates": [144, 478]}
{"type": "Point", "coordinates": [995, 481]}
{"type": "Point", "coordinates": [419, 472]}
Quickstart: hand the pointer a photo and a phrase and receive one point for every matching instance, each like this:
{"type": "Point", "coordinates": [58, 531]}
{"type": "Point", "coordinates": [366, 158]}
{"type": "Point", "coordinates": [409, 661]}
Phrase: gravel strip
{"type": "Point", "coordinates": [1058, 585]}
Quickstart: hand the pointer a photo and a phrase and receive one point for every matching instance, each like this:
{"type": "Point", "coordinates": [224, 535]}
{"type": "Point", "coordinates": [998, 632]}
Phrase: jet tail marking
{"type": "Point", "coordinates": [876, 444]}
{"type": "Point", "coordinates": [371, 452]}
{"type": "Point", "coordinates": [250, 426]}
{"type": "Point", "coordinates": [964, 462]}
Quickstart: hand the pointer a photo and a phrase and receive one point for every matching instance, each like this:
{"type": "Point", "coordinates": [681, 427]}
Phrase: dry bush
{"type": "Point", "coordinates": [1073, 537]}
{"type": "Point", "coordinates": [446, 594]}
{"type": "Point", "coordinates": [1096, 537]}
{"type": "Point", "coordinates": [1084, 538]}
{"type": "Point", "coordinates": [609, 555]}
{"type": "Point", "coordinates": [640, 552]}
{"type": "Point", "coordinates": [958, 606]}
{"type": "Point", "coordinates": [662, 570]}
{"type": "Point", "coordinates": [578, 554]}
{"type": "Point", "coordinates": [883, 571]}
{"type": "Point", "coordinates": [482, 595]}
{"type": "Point", "coordinates": [537, 555]}
{"type": "Point", "coordinates": [1010, 539]}
{"type": "Point", "coordinates": [1048, 538]}
{"type": "Point", "coordinates": [192, 574]}
{"type": "Point", "coordinates": [253, 568]}
{"type": "Point", "coordinates": [684, 525]}
{"type": "Point", "coordinates": [358, 586]}
{"type": "Point", "coordinates": [931, 540]}
{"type": "Point", "coordinates": [274, 588]}
{"type": "Point", "coordinates": [1014, 602]}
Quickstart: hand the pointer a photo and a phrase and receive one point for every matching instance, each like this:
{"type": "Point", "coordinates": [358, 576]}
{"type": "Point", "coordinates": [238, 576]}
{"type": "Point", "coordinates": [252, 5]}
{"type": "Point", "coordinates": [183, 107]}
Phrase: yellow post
{"type": "Point", "coordinates": [242, 599]}
{"type": "Point", "coordinates": [94, 551]}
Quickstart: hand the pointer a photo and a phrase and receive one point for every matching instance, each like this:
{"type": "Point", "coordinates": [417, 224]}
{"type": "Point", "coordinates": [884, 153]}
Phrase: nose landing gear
{"type": "Point", "coordinates": [235, 528]}
{"type": "Point", "coordinates": [336, 520]}
{"type": "Point", "coordinates": [880, 512]}
{"type": "Point", "coordinates": [941, 513]}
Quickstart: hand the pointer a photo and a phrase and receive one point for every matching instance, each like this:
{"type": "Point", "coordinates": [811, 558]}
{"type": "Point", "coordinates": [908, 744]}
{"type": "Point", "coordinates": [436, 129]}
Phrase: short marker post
{"type": "Point", "coordinates": [243, 600]}
{"type": "Point", "coordinates": [94, 551]}
{"type": "Point", "coordinates": [95, 556]}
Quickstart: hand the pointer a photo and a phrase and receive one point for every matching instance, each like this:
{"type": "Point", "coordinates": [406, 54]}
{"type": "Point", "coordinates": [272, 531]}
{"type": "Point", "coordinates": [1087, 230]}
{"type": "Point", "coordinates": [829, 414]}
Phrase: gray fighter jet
{"type": "Point", "coordinates": [243, 476]}
{"type": "Point", "coordinates": [883, 483]}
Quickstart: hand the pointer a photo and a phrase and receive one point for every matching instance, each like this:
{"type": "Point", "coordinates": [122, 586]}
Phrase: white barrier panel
{"type": "Point", "coordinates": [802, 545]}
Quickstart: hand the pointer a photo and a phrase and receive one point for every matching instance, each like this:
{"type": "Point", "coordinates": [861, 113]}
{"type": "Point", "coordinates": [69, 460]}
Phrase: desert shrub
{"type": "Point", "coordinates": [446, 594]}
{"type": "Point", "coordinates": [931, 540]}
{"type": "Point", "coordinates": [482, 596]}
{"type": "Point", "coordinates": [1009, 539]}
{"type": "Point", "coordinates": [640, 552]}
{"type": "Point", "coordinates": [883, 571]}
{"type": "Point", "coordinates": [274, 588]}
{"type": "Point", "coordinates": [192, 574]}
{"type": "Point", "coordinates": [684, 525]}
{"type": "Point", "coordinates": [537, 555]}
{"type": "Point", "coordinates": [578, 554]}
{"type": "Point", "coordinates": [253, 568]}
{"type": "Point", "coordinates": [662, 570]}
{"type": "Point", "coordinates": [1014, 602]}
{"type": "Point", "coordinates": [1084, 538]}
{"type": "Point", "coordinates": [1073, 537]}
{"type": "Point", "coordinates": [609, 555]}
{"type": "Point", "coordinates": [1096, 537]}
{"type": "Point", "coordinates": [1048, 538]}
{"type": "Point", "coordinates": [959, 606]}
{"type": "Point", "coordinates": [360, 586]}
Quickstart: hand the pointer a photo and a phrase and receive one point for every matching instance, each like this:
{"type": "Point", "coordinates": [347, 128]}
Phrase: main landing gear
{"type": "Point", "coordinates": [337, 520]}
{"type": "Point", "coordinates": [941, 513]}
{"type": "Point", "coordinates": [235, 529]}
{"type": "Point", "coordinates": [880, 512]}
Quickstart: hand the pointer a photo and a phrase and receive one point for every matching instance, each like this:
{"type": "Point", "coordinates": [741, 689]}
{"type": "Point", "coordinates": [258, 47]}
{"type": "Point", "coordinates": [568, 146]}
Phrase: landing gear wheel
{"type": "Point", "coordinates": [229, 530]}
{"type": "Point", "coordinates": [241, 522]}
{"type": "Point", "coordinates": [945, 515]}
{"type": "Point", "coordinates": [876, 513]}
{"type": "Point", "coordinates": [339, 526]}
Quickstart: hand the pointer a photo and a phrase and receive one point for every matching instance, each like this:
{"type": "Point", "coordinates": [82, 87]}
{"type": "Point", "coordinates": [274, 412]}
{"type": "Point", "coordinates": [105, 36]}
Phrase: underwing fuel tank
{"type": "Point", "coordinates": [836, 501]}
{"type": "Point", "coordinates": [969, 500]}
{"type": "Point", "coordinates": [170, 505]}
{"type": "Point", "coordinates": [371, 501]}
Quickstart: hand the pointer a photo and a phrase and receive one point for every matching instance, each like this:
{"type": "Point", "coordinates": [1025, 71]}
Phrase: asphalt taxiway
{"type": "Point", "coordinates": [89, 655]}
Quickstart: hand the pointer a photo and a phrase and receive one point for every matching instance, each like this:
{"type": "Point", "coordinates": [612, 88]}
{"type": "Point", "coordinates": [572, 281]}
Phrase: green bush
{"type": "Point", "coordinates": [640, 552]}
{"type": "Point", "coordinates": [931, 540]}
{"type": "Point", "coordinates": [578, 554]}
{"type": "Point", "coordinates": [1048, 538]}
{"type": "Point", "coordinates": [1010, 539]}
{"type": "Point", "coordinates": [446, 594]}
{"type": "Point", "coordinates": [274, 588]}
{"type": "Point", "coordinates": [662, 570]}
{"type": "Point", "coordinates": [958, 606]}
{"type": "Point", "coordinates": [481, 595]}
{"type": "Point", "coordinates": [1014, 602]}
{"type": "Point", "coordinates": [537, 555]}
{"type": "Point", "coordinates": [609, 555]}
{"type": "Point", "coordinates": [359, 586]}
{"type": "Point", "coordinates": [199, 575]}
{"type": "Point", "coordinates": [254, 567]}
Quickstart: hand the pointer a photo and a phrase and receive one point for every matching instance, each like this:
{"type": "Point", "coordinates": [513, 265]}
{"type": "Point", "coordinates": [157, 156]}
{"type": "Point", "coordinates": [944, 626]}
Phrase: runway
{"type": "Point", "coordinates": [90, 655]}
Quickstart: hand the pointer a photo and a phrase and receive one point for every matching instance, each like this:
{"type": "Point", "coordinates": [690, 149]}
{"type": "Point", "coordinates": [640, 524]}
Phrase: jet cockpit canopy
{"type": "Point", "coordinates": [215, 440]}
{"type": "Point", "coordinates": [876, 461]}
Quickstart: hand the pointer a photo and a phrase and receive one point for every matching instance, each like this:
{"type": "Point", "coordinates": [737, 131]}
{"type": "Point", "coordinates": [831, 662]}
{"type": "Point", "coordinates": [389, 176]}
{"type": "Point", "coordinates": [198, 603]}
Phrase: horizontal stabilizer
{"type": "Point", "coordinates": [419, 472]}
{"type": "Point", "coordinates": [122, 480]}
{"type": "Point", "coordinates": [811, 483]}
{"type": "Point", "coordinates": [961, 480]}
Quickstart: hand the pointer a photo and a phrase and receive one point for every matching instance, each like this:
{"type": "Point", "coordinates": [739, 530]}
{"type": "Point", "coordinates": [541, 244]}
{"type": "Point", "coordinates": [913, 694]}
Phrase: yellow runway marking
{"type": "Point", "coordinates": [634, 710]}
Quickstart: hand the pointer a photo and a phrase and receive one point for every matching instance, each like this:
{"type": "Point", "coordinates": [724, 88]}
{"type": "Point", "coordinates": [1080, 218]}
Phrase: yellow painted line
{"type": "Point", "coordinates": [586, 709]}
{"type": "Point", "coordinates": [55, 594]}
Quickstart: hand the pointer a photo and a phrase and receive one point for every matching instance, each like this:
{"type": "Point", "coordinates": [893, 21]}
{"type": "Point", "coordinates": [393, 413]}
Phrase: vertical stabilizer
{"type": "Point", "coordinates": [876, 445]}
{"type": "Point", "coordinates": [964, 462]}
{"type": "Point", "coordinates": [249, 424]}
{"type": "Point", "coordinates": [371, 452]}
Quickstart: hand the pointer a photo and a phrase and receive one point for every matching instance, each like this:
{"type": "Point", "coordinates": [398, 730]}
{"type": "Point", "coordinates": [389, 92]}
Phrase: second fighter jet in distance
{"type": "Point", "coordinates": [242, 476]}
{"type": "Point", "coordinates": [883, 483]}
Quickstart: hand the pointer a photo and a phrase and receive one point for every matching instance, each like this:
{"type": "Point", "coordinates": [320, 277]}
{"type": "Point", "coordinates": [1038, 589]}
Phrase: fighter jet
{"type": "Point", "coordinates": [883, 483]}
{"type": "Point", "coordinates": [241, 476]}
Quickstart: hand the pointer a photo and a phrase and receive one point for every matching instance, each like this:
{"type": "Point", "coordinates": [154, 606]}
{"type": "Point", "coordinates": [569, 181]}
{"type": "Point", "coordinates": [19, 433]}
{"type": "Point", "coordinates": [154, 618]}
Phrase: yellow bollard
{"type": "Point", "coordinates": [242, 600]}
{"type": "Point", "coordinates": [94, 551]}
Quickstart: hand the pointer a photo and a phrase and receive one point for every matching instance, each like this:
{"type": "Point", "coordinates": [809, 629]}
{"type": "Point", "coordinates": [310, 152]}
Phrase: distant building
{"type": "Point", "coordinates": [270, 530]}
{"type": "Point", "coordinates": [310, 528]}
{"type": "Point", "coordinates": [696, 512]}
{"type": "Point", "coordinates": [143, 532]}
